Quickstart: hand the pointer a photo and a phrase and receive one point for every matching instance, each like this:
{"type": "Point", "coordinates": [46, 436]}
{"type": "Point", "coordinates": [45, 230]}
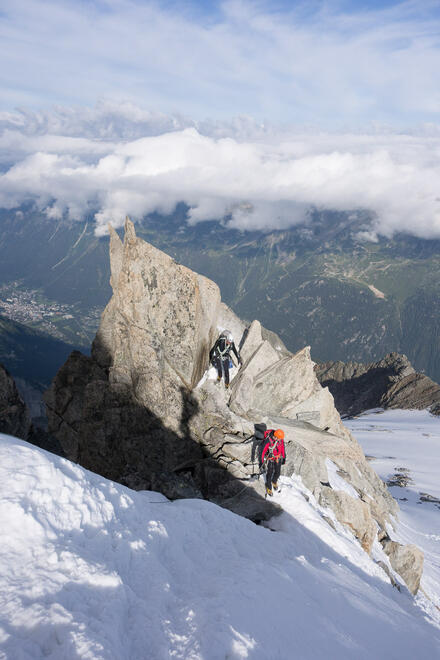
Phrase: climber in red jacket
{"type": "Point", "coordinates": [272, 457]}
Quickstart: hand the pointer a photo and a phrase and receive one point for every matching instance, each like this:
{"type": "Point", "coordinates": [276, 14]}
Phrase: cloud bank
{"type": "Point", "coordinates": [255, 176]}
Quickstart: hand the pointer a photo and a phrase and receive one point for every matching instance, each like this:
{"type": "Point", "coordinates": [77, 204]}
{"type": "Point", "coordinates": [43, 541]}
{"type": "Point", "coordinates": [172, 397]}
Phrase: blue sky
{"type": "Point", "coordinates": [326, 64]}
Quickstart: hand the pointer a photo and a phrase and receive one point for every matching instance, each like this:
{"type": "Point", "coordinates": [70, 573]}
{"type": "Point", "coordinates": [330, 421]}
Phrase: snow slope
{"type": "Point", "coordinates": [92, 570]}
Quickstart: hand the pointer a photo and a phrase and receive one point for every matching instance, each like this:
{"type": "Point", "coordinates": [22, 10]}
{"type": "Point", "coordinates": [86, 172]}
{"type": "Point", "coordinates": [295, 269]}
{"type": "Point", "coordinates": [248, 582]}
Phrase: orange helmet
{"type": "Point", "coordinates": [279, 434]}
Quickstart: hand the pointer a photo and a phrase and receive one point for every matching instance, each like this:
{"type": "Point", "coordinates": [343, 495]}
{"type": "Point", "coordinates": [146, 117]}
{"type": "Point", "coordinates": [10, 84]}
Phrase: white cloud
{"type": "Point", "coordinates": [261, 178]}
{"type": "Point", "coordinates": [368, 236]}
{"type": "Point", "coordinates": [295, 62]}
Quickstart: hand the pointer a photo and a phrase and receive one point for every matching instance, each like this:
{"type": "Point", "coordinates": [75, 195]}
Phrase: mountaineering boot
{"type": "Point", "coordinates": [219, 379]}
{"type": "Point", "coordinates": [275, 486]}
{"type": "Point", "coordinates": [269, 491]}
{"type": "Point", "coordinates": [227, 386]}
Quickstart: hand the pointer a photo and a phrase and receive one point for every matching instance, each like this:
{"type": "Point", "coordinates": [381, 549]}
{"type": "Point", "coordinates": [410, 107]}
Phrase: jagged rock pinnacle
{"type": "Point", "coordinates": [136, 411]}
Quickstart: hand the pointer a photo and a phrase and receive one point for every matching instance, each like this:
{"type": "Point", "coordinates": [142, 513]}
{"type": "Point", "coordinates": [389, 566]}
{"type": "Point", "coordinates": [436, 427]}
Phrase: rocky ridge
{"type": "Point", "coordinates": [143, 411]}
{"type": "Point", "coordinates": [389, 383]}
{"type": "Point", "coordinates": [14, 415]}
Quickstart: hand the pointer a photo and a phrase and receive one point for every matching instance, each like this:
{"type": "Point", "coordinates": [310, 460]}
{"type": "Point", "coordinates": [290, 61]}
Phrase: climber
{"type": "Point", "coordinates": [219, 355]}
{"type": "Point", "coordinates": [272, 457]}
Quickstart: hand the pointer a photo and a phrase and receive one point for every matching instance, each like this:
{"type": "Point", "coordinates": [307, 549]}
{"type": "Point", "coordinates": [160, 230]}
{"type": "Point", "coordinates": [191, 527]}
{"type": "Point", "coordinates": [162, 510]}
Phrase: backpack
{"type": "Point", "coordinates": [260, 430]}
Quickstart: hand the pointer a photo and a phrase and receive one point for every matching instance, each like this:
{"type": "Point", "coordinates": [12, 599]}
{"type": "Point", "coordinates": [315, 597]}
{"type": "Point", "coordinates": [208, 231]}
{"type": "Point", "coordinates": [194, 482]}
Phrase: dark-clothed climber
{"type": "Point", "coordinates": [219, 355]}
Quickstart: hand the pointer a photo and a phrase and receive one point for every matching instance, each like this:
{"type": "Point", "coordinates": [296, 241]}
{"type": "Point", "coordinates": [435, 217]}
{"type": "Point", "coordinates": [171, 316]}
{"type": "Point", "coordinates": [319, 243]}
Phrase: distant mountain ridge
{"type": "Point", "coordinates": [33, 359]}
{"type": "Point", "coordinates": [29, 354]}
{"type": "Point", "coordinates": [320, 284]}
{"type": "Point", "coordinates": [389, 383]}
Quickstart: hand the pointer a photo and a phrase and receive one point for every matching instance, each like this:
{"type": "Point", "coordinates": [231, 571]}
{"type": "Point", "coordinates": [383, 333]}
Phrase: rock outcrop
{"type": "Point", "coordinates": [279, 383]}
{"type": "Point", "coordinates": [14, 415]}
{"type": "Point", "coordinates": [389, 383]}
{"type": "Point", "coordinates": [407, 561]}
{"type": "Point", "coordinates": [142, 410]}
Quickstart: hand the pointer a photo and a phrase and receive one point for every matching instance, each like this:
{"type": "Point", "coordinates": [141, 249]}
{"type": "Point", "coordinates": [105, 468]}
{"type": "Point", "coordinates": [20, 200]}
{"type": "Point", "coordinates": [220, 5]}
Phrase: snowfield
{"type": "Point", "coordinates": [90, 569]}
{"type": "Point", "coordinates": [408, 443]}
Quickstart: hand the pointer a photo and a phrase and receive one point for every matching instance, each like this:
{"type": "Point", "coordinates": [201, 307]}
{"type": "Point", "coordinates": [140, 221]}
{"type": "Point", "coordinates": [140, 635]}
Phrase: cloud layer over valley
{"type": "Point", "coordinates": [321, 67]}
{"type": "Point", "coordinates": [256, 175]}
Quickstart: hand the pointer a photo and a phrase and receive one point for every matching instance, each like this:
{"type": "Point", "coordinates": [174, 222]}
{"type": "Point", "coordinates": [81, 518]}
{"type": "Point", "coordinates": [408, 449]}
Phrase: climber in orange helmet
{"type": "Point", "coordinates": [272, 457]}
